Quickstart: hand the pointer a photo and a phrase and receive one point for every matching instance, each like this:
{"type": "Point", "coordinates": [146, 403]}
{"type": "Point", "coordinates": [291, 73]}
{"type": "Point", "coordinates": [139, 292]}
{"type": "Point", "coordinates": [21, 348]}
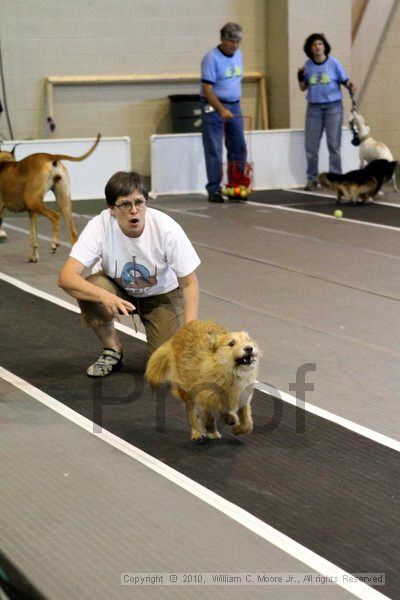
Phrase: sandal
{"type": "Point", "coordinates": [108, 362]}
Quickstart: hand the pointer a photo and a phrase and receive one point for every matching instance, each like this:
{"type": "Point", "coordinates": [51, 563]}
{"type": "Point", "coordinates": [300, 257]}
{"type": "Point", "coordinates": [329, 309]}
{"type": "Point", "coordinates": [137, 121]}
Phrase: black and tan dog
{"type": "Point", "coordinates": [23, 186]}
{"type": "Point", "coordinates": [360, 185]}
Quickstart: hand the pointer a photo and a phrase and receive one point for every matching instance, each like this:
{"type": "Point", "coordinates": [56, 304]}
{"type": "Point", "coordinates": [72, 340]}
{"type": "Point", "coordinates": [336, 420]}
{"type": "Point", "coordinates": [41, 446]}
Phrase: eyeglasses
{"type": "Point", "coordinates": [127, 205]}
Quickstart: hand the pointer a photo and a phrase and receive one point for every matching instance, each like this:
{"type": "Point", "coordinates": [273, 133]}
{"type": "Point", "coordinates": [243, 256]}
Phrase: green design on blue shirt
{"type": "Point", "coordinates": [233, 71]}
{"type": "Point", "coordinates": [319, 78]}
{"type": "Point", "coordinates": [324, 80]}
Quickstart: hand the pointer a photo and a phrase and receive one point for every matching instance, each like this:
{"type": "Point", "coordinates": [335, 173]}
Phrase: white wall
{"type": "Point", "coordinates": [88, 177]}
{"type": "Point", "coordinates": [380, 103]}
{"type": "Point", "coordinates": [278, 160]}
{"type": "Point", "coordinates": [77, 37]}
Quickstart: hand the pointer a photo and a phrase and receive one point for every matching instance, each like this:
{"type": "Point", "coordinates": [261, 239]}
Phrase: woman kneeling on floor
{"type": "Point", "coordinates": [141, 261]}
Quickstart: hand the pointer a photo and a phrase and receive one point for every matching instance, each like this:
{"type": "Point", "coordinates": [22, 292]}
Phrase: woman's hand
{"type": "Point", "coordinates": [301, 74]}
{"type": "Point", "coordinates": [301, 77]}
{"type": "Point", "coordinates": [114, 305]}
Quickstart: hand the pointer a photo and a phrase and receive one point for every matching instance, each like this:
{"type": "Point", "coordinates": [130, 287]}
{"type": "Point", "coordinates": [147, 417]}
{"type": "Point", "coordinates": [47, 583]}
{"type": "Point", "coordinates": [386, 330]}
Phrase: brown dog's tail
{"type": "Point", "coordinates": [158, 367]}
{"type": "Point", "coordinates": [56, 157]}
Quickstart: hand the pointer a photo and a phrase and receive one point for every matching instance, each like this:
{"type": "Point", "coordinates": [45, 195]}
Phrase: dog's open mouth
{"type": "Point", "coordinates": [246, 360]}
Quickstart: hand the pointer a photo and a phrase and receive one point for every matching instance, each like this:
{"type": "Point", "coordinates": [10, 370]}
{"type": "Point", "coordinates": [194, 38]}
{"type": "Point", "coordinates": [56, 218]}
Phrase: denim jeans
{"type": "Point", "coordinates": [319, 117]}
{"type": "Point", "coordinates": [213, 131]}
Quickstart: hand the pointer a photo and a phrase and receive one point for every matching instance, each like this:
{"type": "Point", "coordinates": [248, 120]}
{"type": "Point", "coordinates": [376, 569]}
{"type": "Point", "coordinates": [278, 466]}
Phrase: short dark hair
{"type": "Point", "coordinates": [123, 183]}
{"type": "Point", "coordinates": [231, 31]}
{"type": "Point", "coordinates": [311, 39]}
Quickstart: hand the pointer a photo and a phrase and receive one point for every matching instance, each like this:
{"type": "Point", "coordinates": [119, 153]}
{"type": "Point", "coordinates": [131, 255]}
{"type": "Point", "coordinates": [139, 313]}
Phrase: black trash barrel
{"type": "Point", "coordinates": [185, 113]}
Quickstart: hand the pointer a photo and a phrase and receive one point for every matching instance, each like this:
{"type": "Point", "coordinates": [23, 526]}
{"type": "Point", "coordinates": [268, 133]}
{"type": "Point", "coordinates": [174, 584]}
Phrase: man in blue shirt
{"type": "Point", "coordinates": [221, 78]}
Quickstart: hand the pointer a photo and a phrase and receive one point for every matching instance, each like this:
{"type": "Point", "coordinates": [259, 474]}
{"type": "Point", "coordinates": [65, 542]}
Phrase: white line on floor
{"type": "Point", "coordinates": [322, 241]}
{"type": "Point", "coordinates": [323, 216]}
{"type": "Point", "coordinates": [184, 211]}
{"type": "Point", "coordinates": [25, 287]}
{"type": "Point", "coordinates": [40, 236]}
{"type": "Point", "coordinates": [241, 516]}
{"type": "Point", "coordinates": [332, 196]}
{"type": "Point", "coordinates": [375, 436]}
{"type": "Point", "coordinates": [296, 210]}
{"type": "Point", "coordinates": [262, 387]}
{"type": "Point", "coordinates": [79, 216]}
{"type": "Point", "coordinates": [325, 195]}
{"type": "Point", "coordinates": [394, 204]}
{"type": "Point", "coordinates": [193, 214]}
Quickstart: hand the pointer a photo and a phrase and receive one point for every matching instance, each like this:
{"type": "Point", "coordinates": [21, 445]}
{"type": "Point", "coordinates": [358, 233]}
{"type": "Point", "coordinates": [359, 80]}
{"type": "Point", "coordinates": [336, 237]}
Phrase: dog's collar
{"type": "Point", "coordinates": [364, 137]}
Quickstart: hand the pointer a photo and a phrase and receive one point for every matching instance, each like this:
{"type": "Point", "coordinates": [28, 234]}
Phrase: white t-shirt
{"type": "Point", "coordinates": [144, 266]}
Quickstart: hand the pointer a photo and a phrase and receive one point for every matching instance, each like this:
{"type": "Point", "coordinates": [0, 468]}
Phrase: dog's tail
{"type": "Point", "coordinates": [56, 157]}
{"type": "Point", "coordinates": [158, 366]}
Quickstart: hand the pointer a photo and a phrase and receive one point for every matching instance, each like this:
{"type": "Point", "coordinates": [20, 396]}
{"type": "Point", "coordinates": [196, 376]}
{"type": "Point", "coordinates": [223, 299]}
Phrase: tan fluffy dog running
{"type": "Point", "coordinates": [213, 371]}
{"type": "Point", "coordinates": [23, 186]}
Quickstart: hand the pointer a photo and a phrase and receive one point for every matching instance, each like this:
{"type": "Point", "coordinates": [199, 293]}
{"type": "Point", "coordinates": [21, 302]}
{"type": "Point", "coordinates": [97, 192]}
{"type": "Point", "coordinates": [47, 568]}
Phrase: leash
{"type": "Point", "coordinates": [356, 138]}
{"type": "Point", "coordinates": [353, 100]}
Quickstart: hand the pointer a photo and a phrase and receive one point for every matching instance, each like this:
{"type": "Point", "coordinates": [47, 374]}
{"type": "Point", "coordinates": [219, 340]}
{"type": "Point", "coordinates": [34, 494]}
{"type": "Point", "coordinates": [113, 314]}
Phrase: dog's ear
{"type": "Point", "coordinates": [212, 337]}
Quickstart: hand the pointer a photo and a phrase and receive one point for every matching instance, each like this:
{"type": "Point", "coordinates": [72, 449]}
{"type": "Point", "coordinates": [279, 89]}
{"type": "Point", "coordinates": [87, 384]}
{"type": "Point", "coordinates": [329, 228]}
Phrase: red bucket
{"type": "Point", "coordinates": [238, 177]}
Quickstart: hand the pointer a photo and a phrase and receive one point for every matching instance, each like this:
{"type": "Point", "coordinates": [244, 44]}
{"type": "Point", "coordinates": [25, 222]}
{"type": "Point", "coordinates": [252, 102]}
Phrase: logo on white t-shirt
{"type": "Point", "coordinates": [135, 278]}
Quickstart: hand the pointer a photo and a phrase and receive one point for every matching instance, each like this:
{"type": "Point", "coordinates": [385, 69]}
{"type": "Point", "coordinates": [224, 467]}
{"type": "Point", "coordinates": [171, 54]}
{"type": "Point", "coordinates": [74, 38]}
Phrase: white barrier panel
{"type": "Point", "coordinates": [278, 156]}
{"type": "Point", "coordinates": [88, 177]}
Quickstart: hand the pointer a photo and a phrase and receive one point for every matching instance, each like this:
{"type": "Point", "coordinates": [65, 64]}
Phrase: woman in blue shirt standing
{"type": "Point", "coordinates": [322, 75]}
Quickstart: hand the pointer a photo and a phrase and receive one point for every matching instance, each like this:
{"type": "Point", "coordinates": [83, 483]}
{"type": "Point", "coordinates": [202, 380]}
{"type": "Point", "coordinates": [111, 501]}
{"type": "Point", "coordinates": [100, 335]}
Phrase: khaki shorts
{"type": "Point", "coordinates": [161, 315]}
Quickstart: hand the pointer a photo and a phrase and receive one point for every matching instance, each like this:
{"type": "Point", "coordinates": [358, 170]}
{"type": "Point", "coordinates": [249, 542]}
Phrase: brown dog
{"type": "Point", "coordinates": [23, 185]}
{"type": "Point", "coordinates": [213, 371]}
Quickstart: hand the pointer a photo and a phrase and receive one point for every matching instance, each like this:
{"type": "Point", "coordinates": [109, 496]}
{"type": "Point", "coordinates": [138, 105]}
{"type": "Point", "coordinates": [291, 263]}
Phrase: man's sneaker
{"type": "Point", "coordinates": [218, 197]}
{"type": "Point", "coordinates": [108, 362]}
{"type": "Point", "coordinates": [311, 185]}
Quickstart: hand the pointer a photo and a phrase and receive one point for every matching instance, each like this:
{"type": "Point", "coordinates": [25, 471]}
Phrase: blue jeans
{"type": "Point", "coordinates": [319, 117]}
{"type": "Point", "coordinates": [213, 129]}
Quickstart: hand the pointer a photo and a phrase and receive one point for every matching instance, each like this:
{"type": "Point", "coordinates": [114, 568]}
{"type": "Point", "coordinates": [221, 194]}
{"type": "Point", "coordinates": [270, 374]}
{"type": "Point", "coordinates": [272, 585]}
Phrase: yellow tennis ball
{"type": "Point", "coordinates": [338, 214]}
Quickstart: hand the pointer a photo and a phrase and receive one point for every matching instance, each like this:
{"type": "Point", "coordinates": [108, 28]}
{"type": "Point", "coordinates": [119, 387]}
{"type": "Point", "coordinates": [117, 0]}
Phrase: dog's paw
{"type": "Point", "coordinates": [3, 235]}
{"type": "Point", "coordinates": [230, 418]}
{"type": "Point", "coordinates": [54, 246]}
{"type": "Point", "coordinates": [213, 435]}
{"type": "Point", "coordinates": [200, 441]}
{"type": "Point", "coordinates": [242, 429]}
{"type": "Point", "coordinates": [198, 438]}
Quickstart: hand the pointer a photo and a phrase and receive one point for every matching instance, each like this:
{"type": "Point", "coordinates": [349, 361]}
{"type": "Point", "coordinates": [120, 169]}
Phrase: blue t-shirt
{"type": "Point", "coordinates": [324, 80]}
{"type": "Point", "coordinates": [224, 73]}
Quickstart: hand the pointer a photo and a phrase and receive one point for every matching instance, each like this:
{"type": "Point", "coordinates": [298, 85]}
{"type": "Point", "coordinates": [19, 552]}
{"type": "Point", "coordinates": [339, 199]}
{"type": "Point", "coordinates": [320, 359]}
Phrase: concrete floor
{"type": "Point", "coordinates": [310, 290]}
